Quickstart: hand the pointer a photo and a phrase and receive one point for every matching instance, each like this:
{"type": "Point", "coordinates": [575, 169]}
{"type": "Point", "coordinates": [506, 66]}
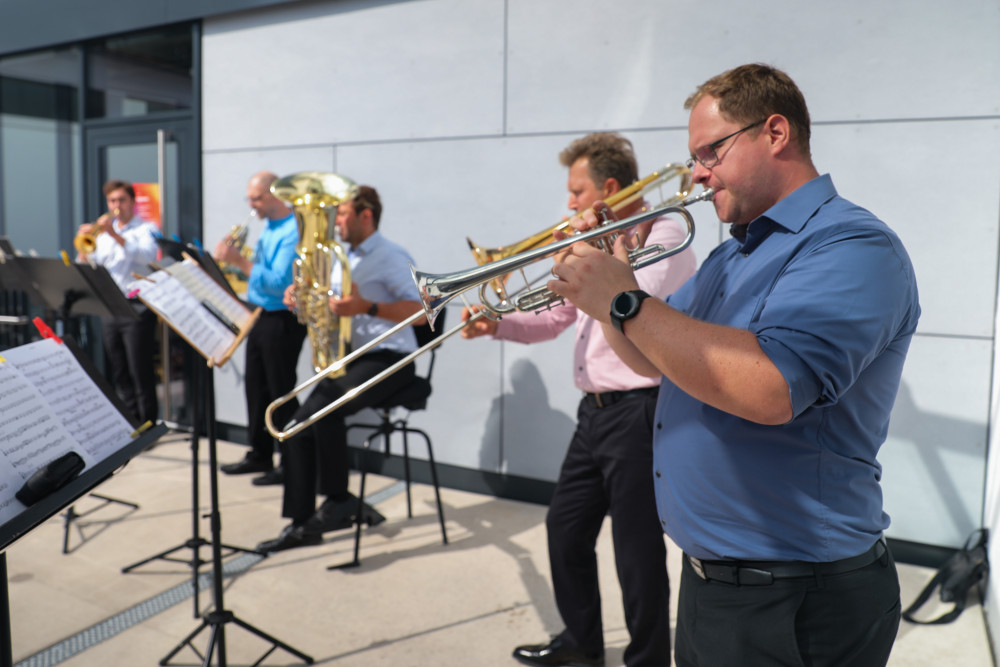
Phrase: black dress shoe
{"type": "Point", "coordinates": [272, 476]}
{"type": "Point", "coordinates": [331, 515]}
{"type": "Point", "coordinates": [291, 537]}
{"type": "Point", "coordinates": [248, 465]}
{"type": "Point", "coordinates": [557, 652]}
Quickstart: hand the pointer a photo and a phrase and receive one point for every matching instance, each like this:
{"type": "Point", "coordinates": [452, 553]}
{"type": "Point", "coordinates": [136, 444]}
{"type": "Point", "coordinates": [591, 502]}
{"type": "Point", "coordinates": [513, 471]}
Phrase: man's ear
{"type": "Point", "coordinates": [779, 132]}
{"type": "Point", "coordinates": [610, 187]}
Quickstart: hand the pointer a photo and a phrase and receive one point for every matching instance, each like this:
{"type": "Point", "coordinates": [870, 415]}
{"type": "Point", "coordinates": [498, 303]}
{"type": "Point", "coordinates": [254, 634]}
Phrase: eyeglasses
{"type": "Point", "coordinates": [706, 155]}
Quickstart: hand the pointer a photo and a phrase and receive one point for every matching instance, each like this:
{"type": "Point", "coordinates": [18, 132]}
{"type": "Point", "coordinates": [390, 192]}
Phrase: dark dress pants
{"type": "Point", "coordinates": [129, 345]}
{"type": "Point", "coordinates": [316, 460]}
{"type": "Point", "coordinates": [608, 469]}
{"type": "Point", "coordinates": [272, 354]}
{"type": "Point", "coordinates": [821, 621]}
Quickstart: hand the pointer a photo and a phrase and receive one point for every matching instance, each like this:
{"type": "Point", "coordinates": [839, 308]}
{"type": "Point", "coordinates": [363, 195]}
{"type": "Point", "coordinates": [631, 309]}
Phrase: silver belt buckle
{"type": "Point", "coordinates": [697, 566]}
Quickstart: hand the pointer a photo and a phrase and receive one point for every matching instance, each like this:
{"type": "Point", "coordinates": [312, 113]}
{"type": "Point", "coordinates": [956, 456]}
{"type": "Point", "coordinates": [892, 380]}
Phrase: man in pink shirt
{"type": "Point", "coordinates": [608, 466]}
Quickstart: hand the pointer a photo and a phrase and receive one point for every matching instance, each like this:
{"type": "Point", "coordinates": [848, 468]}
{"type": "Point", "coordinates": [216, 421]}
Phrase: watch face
{"type": "Point", "coordinates": [624, 305]}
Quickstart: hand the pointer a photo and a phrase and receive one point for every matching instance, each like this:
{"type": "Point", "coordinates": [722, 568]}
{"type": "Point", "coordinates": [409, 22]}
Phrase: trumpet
{"type": "Point", "coordinates": [86, 242]}
{"type": "Point", "coordinates": [437, 290]}
{"type": "Point", "coordinates": [621, 200]}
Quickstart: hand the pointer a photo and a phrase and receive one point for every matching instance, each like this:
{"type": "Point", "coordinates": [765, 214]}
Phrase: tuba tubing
{"type": "Point", "coordinates": [436, 290]}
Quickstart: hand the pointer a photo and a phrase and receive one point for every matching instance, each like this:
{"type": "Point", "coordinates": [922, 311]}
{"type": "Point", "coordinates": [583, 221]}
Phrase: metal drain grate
{"type": "Point", "coordinates": [95, 634]}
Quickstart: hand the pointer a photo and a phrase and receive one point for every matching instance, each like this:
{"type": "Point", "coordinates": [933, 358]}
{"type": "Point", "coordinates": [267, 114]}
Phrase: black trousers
{"type": "Point", "coordinates": [820, 621]}
{"type": "Point", "coordinates": [316, 459]}
{"type": "Point", "coordinates": [129, 345]}
{"type": "Point", "coordinates": [272, 353]}
{"type": "Point", "coordinates": [608, 469]}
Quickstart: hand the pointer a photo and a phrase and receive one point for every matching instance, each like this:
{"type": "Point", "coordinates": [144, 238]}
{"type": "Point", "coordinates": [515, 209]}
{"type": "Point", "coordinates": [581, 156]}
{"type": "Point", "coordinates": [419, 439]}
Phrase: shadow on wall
{"type": "Point", "coordinates": [523, 435]}
{"type": "Point", "coordinates": [935, 437]}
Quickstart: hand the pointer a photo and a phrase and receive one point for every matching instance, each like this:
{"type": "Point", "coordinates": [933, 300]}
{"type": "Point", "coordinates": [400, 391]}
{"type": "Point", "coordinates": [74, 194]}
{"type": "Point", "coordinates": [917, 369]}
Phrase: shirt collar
{"type": "Point", "coordinates": [272, 224]}
{"type": "Point", "coordinates": [367, 246]}
{"type": "Point", "coordinates": [792, 212]}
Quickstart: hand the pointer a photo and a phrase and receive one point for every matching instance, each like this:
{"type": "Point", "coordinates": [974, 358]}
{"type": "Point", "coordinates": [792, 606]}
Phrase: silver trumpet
{"type": "Point", "coordinates": [436, 290]}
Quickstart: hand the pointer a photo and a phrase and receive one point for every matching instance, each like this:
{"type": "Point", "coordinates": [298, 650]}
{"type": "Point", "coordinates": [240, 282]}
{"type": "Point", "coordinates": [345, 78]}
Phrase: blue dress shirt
{"type": "Point", "coordinates": [830, 294]}
{"type": "Point", "coordinates": [272, 264]}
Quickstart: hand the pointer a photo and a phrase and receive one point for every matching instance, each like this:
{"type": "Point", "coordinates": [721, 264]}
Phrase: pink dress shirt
{"type": "Point", "coordinates": [596, 367]}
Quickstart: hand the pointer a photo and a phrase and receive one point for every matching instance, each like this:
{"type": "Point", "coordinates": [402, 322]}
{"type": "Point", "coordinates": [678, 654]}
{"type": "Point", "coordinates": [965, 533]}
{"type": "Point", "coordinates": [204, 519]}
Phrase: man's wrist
{"type": "Point", "coordinates": [625, 306]}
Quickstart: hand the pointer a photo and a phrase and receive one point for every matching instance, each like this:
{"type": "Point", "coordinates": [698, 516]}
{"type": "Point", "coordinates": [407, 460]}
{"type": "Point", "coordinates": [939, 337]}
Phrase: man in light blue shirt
{"type": "Point", "coordinates": [382, 294]}
{"type": "Point", "coordinates": [780, 361]}
{"type": "Point", "coordinates": [274, 343]}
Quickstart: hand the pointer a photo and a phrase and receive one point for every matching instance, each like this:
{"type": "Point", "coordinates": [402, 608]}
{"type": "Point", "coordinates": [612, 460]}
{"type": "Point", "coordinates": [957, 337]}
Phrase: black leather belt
{"type": "Point", "coordinates": [604, 399]}
{"type": "Point", "coordinates": [764, 573]}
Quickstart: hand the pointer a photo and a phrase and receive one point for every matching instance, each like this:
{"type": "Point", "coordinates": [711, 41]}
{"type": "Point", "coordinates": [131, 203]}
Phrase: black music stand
{"type": "Point", "coordinates": [65, 496]}
{"type": "Point", "coordinates": [67, 290]}
{"type": "Point", "coordinates": [187, 327]}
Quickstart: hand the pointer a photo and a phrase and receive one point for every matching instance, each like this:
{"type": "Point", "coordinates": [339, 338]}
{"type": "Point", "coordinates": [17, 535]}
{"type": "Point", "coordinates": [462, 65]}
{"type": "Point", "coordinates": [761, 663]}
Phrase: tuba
{"type": "Point", "coordinates": [314, 197]}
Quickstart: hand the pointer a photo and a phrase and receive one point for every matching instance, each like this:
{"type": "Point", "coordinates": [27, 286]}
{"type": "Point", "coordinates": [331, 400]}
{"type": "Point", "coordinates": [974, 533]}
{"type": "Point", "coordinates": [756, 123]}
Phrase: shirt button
{"type": "Point", "coordinates": [658, 474]}
{"type": "Point", "coordinates": [659, 425]}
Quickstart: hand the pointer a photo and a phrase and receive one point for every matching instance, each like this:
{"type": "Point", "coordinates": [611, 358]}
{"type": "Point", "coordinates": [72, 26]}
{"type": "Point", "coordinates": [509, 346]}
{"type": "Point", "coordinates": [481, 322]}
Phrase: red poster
{"type": "Point", "coordinates": [147, 202]}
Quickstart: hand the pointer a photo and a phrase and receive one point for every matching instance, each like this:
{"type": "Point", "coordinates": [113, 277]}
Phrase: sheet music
{"type": "Point", "coordinates": [77, 401]}
{"type": "Point", "coordinates": [174, 302]}
{"type": "Point", "coordinates": [204, 288]}
{"type": "Point", "coordinates": [31, 434]}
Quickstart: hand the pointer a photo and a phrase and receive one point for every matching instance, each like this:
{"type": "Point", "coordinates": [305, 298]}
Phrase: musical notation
{"type": "Point", "coordinates": [179, 295]}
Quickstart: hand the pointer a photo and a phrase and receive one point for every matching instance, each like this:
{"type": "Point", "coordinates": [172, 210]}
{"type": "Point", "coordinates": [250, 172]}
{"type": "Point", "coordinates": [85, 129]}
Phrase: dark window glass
{"type": "Point", "coordinates": [140, 73]}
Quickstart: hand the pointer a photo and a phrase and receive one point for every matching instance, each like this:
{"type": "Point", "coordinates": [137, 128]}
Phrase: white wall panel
{"type": "Point", "coordinates": [934, 458]}
{"type": "Point", "coordinates": [353, 71]}
{"type": "Point", "coordinates": [575, 66]}
{"type": "Point", "coordinates": [947, 222]}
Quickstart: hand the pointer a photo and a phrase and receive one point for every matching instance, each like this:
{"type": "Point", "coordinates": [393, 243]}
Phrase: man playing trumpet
{"type": "Point", "coordinates": [125, 244]}
{"type": "Point", "coordinates": [607, 468]}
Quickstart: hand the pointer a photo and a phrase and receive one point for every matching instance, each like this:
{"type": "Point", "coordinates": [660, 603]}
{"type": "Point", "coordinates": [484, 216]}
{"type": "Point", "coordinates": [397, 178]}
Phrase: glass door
{"type": "Point", "coordinates": [163, 152]}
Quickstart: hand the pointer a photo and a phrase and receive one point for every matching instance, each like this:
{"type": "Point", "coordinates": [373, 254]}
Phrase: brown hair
{"type": "Point", "coordinates": [367, 198]}
{"type": "Point", "coordinates": [113, 185]}
{"type": "Point", "coordinates": [753, 92]}
{"type": "Point", "coordinates": [609, 155]}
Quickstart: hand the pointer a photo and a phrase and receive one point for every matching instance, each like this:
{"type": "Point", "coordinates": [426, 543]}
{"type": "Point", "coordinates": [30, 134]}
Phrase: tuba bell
{"type": "Point", "coordinates": [314, 197]}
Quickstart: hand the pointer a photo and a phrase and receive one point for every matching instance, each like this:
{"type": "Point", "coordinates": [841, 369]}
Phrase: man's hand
{"type": "Point", "coordinates": [590, 278]}
{"type": "Point", "coordinates": [288, 298]}
{"type": "Point", "coordinates": [350, 305]}
{"type": "Point", "coordinates": [483, 326]}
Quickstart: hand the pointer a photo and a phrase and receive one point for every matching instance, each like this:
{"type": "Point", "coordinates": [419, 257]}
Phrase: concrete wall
{"type": "Point", "coordinates": [456, 109]}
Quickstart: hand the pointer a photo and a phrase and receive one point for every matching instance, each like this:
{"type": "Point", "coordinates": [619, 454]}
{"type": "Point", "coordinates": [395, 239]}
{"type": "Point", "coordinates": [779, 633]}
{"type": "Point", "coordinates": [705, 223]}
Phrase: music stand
{"type": "Point", "coordinates": [48, 506]}
{"type": "Point", "coordinates": [181, 295]}
{"type": "Point", "coordinates": [67, 290]}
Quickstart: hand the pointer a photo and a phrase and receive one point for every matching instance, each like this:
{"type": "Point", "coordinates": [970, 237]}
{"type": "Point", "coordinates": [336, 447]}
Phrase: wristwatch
{"type": "Point", "coordinates": [625, 306]}
{"type": "Point", "coordinates": [373, 309]}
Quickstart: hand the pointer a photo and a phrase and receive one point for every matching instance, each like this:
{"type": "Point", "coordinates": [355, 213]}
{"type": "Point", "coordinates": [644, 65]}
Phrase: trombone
{"type": "Point", "coordinates": [436, 290]}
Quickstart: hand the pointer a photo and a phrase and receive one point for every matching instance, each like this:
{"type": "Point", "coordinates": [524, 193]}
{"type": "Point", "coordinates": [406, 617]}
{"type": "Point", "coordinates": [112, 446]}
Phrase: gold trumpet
{"type": "Point", "coordinates": [437, 290]}
{"type": "Point", "coordinates": [620, 200]}
{"type": "Point", "coordinates": [86, 242]}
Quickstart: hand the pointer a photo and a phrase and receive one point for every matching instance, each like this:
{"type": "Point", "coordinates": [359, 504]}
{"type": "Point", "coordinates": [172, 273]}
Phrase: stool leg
{"type": "Point", "coordinates": [406, 468]}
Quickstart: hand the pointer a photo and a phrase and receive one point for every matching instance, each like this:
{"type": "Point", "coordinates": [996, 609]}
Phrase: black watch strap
{"type": "Point", "coordinates": [373, 309]}
{"type": "Point", "coordinates": [625, 306]}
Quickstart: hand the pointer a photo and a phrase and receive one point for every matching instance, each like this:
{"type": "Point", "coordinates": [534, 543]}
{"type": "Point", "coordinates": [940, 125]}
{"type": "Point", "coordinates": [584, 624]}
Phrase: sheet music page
{"type": "Point", "coordinates": [76, 399]}
{"type": "Point", "coordinates": [31, 435]}
{"type": "Point", "coordinates": [184, 312]}
{"type": "Point", "coordinates": [204, 288]}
